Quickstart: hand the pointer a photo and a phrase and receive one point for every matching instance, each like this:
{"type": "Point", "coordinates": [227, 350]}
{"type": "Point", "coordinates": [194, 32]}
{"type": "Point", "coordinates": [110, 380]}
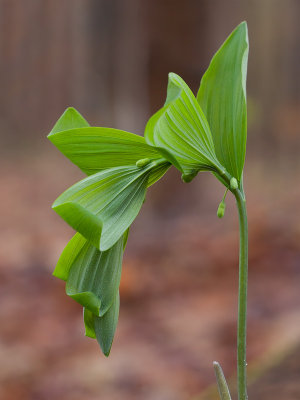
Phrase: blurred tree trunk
{"type": "Point", "coordinates": [44, 67]}
{"type": "Point", "coordinates": [273, 78]}
{"type": "Point", "coordinates": [111, 58]}
{"type": "Point", "coordinates": [130, 69]}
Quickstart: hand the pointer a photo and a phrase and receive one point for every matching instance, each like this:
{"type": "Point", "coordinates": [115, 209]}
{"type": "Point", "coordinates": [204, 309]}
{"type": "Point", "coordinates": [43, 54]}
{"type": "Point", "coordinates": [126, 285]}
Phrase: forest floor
{"type": "Point", "coordinates": [178, 299]}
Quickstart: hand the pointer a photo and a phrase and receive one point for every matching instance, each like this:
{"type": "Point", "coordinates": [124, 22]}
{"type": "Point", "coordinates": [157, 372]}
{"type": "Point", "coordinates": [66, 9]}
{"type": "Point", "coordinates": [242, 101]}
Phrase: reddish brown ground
{"type": "Point", "coordinates": [178, 296]}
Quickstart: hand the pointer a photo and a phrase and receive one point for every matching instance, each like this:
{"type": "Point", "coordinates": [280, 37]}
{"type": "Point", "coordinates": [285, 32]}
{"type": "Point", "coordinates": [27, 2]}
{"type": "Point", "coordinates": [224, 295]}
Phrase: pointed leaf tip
{"type": "Point", "coordinates": [105, 326]}
{"type": "Point", "coordinates": [221, 382]}
{"type": "Point", "coordinates": [94, 149]}
{"type": "Point", "coordinates": [70, 119]}
{"type": "Point", "coordinates": [222, 96]}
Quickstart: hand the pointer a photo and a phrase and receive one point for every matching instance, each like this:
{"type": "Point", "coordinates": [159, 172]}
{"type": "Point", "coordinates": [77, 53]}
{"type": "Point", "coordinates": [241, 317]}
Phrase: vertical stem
{"type": "Point", "coordinates": [242, 300]}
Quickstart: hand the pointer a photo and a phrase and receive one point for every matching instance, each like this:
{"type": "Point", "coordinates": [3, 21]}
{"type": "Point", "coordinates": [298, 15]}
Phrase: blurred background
{"type": "Point", "coordinates": [110, 60]}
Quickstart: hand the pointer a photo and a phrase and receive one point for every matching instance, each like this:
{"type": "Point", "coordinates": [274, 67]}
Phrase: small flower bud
{"type": "Point", "coordinates": [143, 162]}
{"type": "Point", "coordinates": [221, 209]}
{"type": "Point", "coordinates": [233, 183]}
{"type": "Point", "coordinates": [188, 177]}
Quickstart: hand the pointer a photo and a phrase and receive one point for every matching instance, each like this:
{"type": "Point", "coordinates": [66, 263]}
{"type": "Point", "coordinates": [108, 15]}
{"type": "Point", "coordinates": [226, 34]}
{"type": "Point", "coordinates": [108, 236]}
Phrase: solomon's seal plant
{"type": "Point", "coordinates": [203, 133]}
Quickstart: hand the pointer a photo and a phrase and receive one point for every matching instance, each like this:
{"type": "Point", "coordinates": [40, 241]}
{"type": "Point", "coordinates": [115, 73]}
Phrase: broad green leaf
{"type": "Point", "coordinates": [181, 130]}
{"type": "Point", "coordinates": [222, 96]}
{"type": "Point", "coordinates": [94, 277]}
{"type": "Point", "coordinates": [103, 205]}
{"type": "Point", "coordinates": [70, 119]}
{"type": "Point", "coordinates": [103, 328]}
{"type": "Point", "coordinates": [93, 149]}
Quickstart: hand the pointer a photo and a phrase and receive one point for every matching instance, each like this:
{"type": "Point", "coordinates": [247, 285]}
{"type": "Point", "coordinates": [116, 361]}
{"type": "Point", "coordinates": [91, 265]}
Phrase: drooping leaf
{"type": "Point", "coordinates": [93, 149]}
{"type": "Point", "coordinates": [181, 130]}
{"type": "Point", "coordinates": [88, 319]}
{"type": "Point", "coordinates": [68, 256]}
{"type": "Point", "coordinates": [222, 96]}
{"type": "Point", "coordinates": [103, 205]}
{"type": "Point", "coordinates": [70, 119]}
{"type": "Point", "coordinates": [103, 328]}
{"type": "Point", "coordinates": [94, 277]}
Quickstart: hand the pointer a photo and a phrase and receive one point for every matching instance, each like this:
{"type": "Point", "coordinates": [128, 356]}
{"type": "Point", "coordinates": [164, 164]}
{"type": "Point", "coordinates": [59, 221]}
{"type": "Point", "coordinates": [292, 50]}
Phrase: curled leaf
{"type": "Point", "coordinates": [181, 131]}
{"type": "Point", "coordinates": [103, 328]}
{"type": "Point", "coordinates": [94, 277]}
{"type": "Point", "coordinates": [68, 256]}
{"type": "Point", "coordinates": [102, 206]}
{"type": "Point", "coordinates": [88, 319]}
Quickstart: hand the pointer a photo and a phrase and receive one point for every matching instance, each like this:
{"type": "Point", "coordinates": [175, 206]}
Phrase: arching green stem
{"type": "Point", "coordinates": [242, 300]}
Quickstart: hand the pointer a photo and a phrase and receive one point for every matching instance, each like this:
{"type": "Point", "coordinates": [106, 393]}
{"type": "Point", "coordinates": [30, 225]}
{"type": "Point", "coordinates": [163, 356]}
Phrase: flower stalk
{"type": "Point", "coordinates": [242, 299]}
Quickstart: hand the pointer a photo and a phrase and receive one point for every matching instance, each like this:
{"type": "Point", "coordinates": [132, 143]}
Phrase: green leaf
{"type": "Point", "coordinates": [103, 328]}
{"type": "Point", "coordinates": [88, 318]}
{"type": "Point", "coordinates": [94, 149]}
{"type": "Point", "coordinates": [221, 382]}
{"type": "Point", "coordinates": [125, 239]}
{"type": "Point", "coordinates": [181, 130]}
{"type": "Point", "coordinates": [70, 119]}
{"type": "Point", "coordinates": [68, 256]}
{"type": "Point", "coordinates": [94, 277]}
{"type": "Point", "coordinates": [222, 96]}
{"type": "Point", "coordinates": [104, 205]}
{"type": "Point", "coordinates": [157, 171]}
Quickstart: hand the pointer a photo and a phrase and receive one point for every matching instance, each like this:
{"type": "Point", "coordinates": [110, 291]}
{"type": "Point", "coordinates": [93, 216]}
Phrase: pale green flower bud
{"type": "Point", "coordinates": [221, 209]}
{"type": "Point", "coordinates": [233, 183]}
{"type": "Point", "coordinates": [143, 162]}
{"type": "Point", "coordinates": [188, 177]}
